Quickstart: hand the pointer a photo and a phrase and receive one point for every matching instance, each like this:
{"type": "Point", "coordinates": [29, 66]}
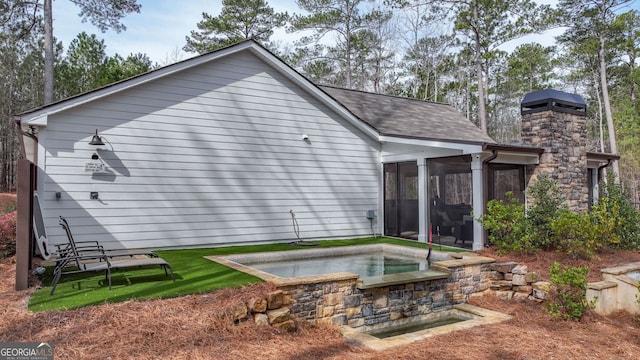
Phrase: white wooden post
{"type": "Point", "coordinates": [478, 200]}
{"type": "Point", "coordinates": [423, 201]}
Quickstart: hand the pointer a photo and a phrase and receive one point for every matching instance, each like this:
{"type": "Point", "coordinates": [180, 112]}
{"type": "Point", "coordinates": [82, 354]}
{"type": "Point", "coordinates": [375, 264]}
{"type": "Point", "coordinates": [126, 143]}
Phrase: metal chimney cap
{"type": "Point", "coordinates": [549, 99]}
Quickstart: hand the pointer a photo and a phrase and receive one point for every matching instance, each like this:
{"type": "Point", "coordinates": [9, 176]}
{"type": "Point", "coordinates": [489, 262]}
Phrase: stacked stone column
{"type": "Point", "coordinates": [563, 136]}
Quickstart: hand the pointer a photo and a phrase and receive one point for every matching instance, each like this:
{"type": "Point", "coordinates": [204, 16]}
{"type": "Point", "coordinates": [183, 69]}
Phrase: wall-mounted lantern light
{"type": "Point", "coordinates": [96, 140]}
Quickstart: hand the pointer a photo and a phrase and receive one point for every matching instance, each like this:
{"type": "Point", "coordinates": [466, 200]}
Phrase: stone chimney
{"type": "Point", "coordinates": [556, 121]}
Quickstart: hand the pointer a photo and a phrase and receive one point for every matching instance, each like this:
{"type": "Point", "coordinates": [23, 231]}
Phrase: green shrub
{"type": "Point", "coordinates": [548, 224]}
{"type": "Point", "coordinates": [8, 235]}
{"type": "Point", "coordinates": [582, 234]}
{"type": "Point", "coordinates": [546, 202]}
{"type": "Point", "coordinates": [624, 213]}
{"type": "Point", "coordinates": [568, 298]}
{"type": "Point", "coordinates": [507, 225]}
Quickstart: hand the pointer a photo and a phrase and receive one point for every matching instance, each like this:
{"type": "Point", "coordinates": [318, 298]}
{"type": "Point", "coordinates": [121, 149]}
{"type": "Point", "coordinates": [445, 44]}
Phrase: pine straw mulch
{"type": "Point", "coordinates": [200, 327]}
{"type": "Point", "coordinates": [6, 199]}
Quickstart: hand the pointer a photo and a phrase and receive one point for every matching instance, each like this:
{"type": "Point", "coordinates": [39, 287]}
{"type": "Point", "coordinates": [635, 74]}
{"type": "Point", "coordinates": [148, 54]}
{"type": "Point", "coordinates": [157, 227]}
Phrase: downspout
{"type": "Point", "coordinates": [485, 183]}
{"type": "Point", "coordinates": [485, 172]}
{"type": "Point", "coordinates": [602, 167]}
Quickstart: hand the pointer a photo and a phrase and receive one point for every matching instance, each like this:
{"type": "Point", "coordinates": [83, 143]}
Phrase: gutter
{"type": "Point", "coordinates": [602, 167]}
{"type": "Point", "coordinates": [485, 185]}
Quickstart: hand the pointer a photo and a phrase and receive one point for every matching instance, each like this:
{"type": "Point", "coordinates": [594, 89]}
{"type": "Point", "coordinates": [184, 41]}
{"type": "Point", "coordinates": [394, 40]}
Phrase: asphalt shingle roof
{"type": "Point", "coordinates": [409, 118]}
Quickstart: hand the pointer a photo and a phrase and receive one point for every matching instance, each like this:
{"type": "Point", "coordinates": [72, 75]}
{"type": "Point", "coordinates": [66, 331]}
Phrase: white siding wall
{"type": "Point", "coordinates": [213, 155]}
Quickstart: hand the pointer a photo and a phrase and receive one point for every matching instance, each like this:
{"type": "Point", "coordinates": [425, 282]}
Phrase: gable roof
{"type": "Point", "coordinates": [374, 114]}
{"type": "Point", "coordinates": [39, 116]}
{"type": "Point", "coordinates": [410, 118]}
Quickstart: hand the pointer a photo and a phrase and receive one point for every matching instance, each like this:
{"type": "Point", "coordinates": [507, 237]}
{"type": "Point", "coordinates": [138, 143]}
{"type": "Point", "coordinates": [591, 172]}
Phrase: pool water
{"type": "Point", "coordinates": [365, 265]}
{"type": "Point", "coordinates": [409, 328]}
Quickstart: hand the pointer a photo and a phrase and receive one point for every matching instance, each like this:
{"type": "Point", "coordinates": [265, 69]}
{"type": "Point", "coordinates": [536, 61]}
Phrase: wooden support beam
{"type": "Point", "coordinates": [24, 223]}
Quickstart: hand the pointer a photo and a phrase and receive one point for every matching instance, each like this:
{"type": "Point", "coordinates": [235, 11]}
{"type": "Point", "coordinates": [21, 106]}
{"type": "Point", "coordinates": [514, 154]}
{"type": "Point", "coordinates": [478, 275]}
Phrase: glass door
{"type": "Point", "coordinates": [401, 199]}
{"type": "Point", "coordinates": [391, 199]}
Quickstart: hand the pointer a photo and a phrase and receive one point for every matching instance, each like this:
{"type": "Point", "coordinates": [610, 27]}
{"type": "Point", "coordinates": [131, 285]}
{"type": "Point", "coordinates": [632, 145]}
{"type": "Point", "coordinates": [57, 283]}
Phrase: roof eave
{"type": "Point", "coordinates": [467, 147]}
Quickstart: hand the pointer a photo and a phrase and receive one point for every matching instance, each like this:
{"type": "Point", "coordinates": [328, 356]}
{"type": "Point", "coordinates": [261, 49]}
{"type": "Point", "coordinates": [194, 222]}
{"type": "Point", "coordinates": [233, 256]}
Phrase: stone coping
{"type": "Point", "coordinates": [440, 268]}
{"type": "Point", "coordinates": [401, 278]}
{"type": "Point", "coordinates": [622, 269]}
{"type": "Point", "coordinates": [333, 251]}
{"type": "Point", "coordinates": [601, 285]}
{"type": "Point", "coordinates": [476, 315]}
{"type": "Point", "coordinates": [620, 273]}
{"type": "Point", "coordinates": [464, 261]}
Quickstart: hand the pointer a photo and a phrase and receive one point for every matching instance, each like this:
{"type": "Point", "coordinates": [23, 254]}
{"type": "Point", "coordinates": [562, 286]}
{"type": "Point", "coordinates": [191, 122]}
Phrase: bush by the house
{"type": "Point", "coordinates": [507, 225]}
{"type": "Point", "coordinates": [547, 224]}
{"type": "Point", "coordinates": [8, 235]}
{"type": "Point", "coordinates": [546, 203]}
{"type": "Point", "coordinates": [627, 230]}
{"type": "Point", "coordinates": [583, 234]}
{"type": "Point", "coordinates": [512, 229]}
{"type": "Point", "coordinates": [568, 297]}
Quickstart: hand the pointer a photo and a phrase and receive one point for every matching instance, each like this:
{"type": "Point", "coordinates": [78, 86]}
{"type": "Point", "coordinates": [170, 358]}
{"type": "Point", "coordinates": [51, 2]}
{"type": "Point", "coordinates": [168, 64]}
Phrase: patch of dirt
{"type": "Point", "coordinates": [6, 200]}
{"type": "Point", "coordinates": [541, 262]}
{"type": "Point", "coordinates": [201, 327]}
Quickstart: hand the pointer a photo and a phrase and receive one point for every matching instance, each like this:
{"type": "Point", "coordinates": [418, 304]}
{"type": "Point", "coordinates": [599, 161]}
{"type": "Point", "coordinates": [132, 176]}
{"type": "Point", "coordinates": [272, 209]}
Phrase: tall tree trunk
{"type": "Point", "coordinates": [600, 126]}
{"type": "Point", "coordinates": [607, 106]}
{"type": "Point", "coordinates": [632, 69]}
{"type": "Point", "coordinates": [482, 112]}
{"type": "Point", "coordinates": [348, 10]}
{"type": "Point", "coordinates": [48, 52]}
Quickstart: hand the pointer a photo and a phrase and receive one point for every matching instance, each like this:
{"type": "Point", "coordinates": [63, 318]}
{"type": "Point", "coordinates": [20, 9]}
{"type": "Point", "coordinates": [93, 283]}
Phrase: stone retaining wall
{"type": "Point", "coordinates": [266, 311]}
{"type": "Point", "coordinates": [509, 280]}
{"type": "Point", "coordinates": [336, 298]}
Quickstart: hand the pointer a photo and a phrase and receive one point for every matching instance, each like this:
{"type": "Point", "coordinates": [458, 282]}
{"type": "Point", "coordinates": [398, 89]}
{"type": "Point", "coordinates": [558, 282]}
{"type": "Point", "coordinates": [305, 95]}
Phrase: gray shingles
{"type": "Point", "coordinates": [409, 118]}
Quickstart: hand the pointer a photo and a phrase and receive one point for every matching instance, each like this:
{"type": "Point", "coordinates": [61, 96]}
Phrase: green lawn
{"type": "Point", "coordinates": [193, 274]}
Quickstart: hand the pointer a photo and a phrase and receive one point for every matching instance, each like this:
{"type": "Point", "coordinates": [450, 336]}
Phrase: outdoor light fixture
{"type": "Point", "coordinates": [96, 140]}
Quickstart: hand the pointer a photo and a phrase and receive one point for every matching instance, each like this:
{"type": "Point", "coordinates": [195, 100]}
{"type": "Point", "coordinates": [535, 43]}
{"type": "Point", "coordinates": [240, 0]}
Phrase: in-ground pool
{"type": "Point", "coordinates": [378, 290]}
{"type": "Point", "coordinates": [365, 265]}
{"type": "Point", "coordinates": [374, 264]}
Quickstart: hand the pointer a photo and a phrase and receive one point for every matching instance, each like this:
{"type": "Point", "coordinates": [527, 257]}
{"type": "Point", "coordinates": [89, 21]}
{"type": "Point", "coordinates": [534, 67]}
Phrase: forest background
{"type": "Point", "coordinates": [450, 51]}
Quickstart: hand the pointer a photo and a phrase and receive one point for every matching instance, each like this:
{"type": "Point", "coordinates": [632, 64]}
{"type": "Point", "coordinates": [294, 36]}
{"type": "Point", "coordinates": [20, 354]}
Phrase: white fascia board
{"type": "Point", "coordinates": [311, 88]}
{"type": "Point", "coordinates": [431, 153]}
{"type": "Point", "coordinates": [36, 117]}
{"type": "Point", "coordinates": [465, 148]}
{"type": "Point", "coordinates": [516, 158]}
{"type": "Point", "coordinates": [38, 121]}
{"type": "Point", "coordinates": [594, 164]}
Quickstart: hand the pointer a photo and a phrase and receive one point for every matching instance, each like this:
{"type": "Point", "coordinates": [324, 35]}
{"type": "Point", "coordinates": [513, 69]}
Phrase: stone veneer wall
{"type": "Point", "coordinates": [563, 138]}
{"type": "Point", "coordinates": [336, 298]}
{"type": "Point", "coordinates": [341, 302]}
